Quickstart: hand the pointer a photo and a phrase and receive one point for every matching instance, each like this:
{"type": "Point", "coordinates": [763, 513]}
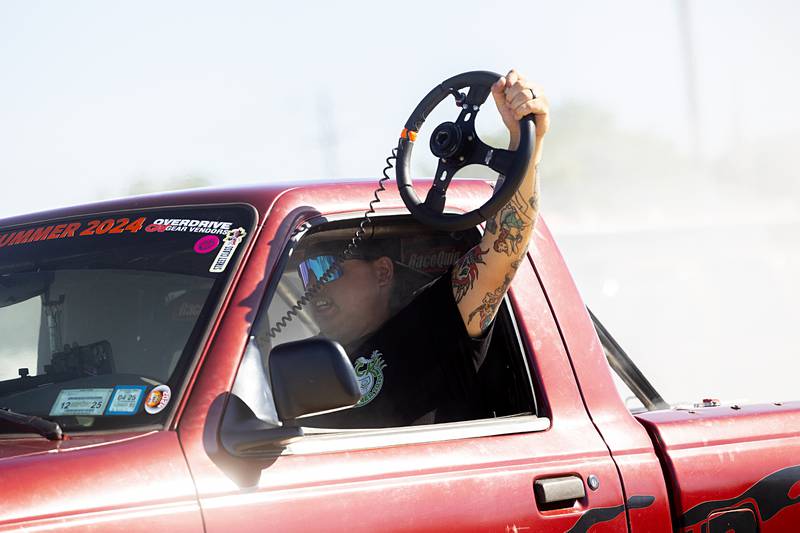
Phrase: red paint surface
{"type": "Point", "coordinates": [103, 482]}
{"type": "Point", "coordinates": [718, 453]}
{"type": "Point", "coordinates": [794, 492]}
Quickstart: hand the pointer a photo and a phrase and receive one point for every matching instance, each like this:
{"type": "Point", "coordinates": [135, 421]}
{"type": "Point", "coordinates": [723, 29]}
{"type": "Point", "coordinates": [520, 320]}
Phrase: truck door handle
{"type": "Point", "coordinates": [565, 489]}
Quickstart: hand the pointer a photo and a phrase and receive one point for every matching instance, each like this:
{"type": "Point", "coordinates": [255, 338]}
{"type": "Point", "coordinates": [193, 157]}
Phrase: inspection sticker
{"type": "Point", "coordinates": [158, 399]}
{"type": "Point", "coordinates": [77, 402]}
{"type": "Point", "coordinates": [126, 399]}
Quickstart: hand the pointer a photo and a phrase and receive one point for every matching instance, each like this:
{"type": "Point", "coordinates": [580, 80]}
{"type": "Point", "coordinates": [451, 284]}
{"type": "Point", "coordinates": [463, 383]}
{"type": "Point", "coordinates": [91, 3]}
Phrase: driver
{"type": "Point", "coordinates": [419, 364]}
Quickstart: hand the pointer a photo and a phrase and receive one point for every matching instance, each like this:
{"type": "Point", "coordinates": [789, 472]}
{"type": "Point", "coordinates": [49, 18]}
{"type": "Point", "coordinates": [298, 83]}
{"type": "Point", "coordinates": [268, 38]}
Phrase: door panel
{"type": "Point", "coordinates": [448, 486]}
{"type": "Point", "coordinates": [476, 484]}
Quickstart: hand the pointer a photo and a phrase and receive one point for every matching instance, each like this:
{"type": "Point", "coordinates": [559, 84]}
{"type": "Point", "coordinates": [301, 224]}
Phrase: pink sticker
{"type": "Point", "coordinates": [206, 244]}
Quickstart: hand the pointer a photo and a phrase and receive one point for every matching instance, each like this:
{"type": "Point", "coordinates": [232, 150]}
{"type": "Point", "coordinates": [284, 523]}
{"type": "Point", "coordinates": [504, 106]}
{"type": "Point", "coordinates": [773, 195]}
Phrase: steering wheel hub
{"type": "Point", "coordinates": [446, 140]}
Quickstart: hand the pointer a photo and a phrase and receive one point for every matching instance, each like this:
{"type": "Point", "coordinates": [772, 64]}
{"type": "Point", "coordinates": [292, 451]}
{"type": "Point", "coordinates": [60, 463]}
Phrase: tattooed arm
{"type": "Point", "coordinates": [481, 278]}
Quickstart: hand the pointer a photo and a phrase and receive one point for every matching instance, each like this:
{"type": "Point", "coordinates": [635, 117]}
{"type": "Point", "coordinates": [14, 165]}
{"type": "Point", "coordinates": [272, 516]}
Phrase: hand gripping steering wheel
{"type": "Point", "coordinates": [457, 145]}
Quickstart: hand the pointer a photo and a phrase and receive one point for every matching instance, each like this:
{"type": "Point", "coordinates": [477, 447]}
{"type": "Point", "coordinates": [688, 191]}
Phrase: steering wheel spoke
{"type": "Point", "coordinates": [466, 120]}
{"type": "Point", "coordinates": [445, 171]}
{"type": "Point", "coordinates": [499, 160]}
{"type": "Point", "coordinates": [477, 94]}
{"type": "Point", "coordinates": [437, 194]}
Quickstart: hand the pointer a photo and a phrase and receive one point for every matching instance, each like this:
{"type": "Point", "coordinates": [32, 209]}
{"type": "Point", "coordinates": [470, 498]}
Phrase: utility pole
{"type": "Point", "coordinates": [690, 79]}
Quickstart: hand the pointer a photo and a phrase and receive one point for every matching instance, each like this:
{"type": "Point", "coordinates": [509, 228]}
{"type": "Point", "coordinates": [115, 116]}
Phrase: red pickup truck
{"type": "Point", "coordinates": [145, 386]}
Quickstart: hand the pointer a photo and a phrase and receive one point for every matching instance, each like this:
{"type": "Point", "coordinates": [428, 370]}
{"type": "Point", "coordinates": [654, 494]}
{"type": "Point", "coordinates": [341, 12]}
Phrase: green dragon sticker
{"type": "Point", "coordinates": [369, 373]}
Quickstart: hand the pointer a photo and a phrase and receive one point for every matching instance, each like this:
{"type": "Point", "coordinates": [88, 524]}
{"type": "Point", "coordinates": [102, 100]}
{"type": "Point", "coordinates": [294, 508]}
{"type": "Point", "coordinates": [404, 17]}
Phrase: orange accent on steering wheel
{"type": "Point", "coordinates": [408, 134]}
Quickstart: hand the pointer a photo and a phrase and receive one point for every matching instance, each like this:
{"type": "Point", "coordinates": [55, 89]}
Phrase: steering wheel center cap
{"type": "Point", "coordinates": [446, 140]}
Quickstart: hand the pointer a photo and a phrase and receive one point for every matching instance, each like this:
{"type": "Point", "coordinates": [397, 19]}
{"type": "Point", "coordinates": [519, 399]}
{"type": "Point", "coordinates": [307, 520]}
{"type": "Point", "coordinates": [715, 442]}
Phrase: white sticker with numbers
{"type": "Point", "coordinates": [81, 402]}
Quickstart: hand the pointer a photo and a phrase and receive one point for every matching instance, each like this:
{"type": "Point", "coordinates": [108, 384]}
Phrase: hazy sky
{"type": "Point", "coordinates": [96, 94]}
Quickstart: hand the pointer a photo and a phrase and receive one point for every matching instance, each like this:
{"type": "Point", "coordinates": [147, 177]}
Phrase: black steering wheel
{"type": "Point", "coordinates": [457, 145]}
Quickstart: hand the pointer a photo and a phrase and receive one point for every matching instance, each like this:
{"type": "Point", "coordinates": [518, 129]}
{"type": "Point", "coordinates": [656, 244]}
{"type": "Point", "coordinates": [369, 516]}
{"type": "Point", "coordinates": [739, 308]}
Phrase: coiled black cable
{"type": "Point", "coordinates": [358, 238]}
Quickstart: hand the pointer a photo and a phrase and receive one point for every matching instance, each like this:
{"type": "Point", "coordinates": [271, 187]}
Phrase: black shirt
{"type": "Point", "coordinates": [420, 367]}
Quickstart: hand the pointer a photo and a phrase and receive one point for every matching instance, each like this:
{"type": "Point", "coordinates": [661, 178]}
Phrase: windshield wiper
{"type": "Point", "coordinates": [42, 426]}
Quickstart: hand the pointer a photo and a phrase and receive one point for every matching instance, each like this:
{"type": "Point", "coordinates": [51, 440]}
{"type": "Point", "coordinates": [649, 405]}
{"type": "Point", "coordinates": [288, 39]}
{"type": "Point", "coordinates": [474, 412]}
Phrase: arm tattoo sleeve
{"type": "Point", "coordinates": [465, 271]}
{"type": "Point", "coordinates": [512, 221]}
{"type": "Point", "coordinates": [488, 307]}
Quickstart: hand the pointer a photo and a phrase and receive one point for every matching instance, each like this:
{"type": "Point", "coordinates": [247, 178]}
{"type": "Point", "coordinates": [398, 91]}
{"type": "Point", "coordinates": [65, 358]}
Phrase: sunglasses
{"type": "Point", "coordinates": [312, 270]}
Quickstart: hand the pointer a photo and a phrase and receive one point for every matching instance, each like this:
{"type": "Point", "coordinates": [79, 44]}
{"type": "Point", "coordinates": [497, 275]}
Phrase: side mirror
{"type": "Point", "coordinates": [308, 377]}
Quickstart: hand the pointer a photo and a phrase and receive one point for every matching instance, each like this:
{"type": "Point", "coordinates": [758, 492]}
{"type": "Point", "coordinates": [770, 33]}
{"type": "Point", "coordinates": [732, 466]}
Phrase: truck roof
{"type": "Point", "coordinates": [327, 196]}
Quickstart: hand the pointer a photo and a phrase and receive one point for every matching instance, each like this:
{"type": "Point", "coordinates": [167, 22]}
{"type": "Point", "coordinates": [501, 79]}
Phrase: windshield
{"type": "Point", "coordinates": [100, 317]}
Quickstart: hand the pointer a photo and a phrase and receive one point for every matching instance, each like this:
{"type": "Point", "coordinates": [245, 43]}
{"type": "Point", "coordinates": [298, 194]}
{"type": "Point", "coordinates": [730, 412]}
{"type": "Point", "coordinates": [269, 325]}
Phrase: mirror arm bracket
{"type": "Point", "coordinates": [244, 435]}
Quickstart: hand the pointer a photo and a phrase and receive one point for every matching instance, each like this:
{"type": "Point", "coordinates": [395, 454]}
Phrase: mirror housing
{"type": "Point", "coordinates": [308, 377]}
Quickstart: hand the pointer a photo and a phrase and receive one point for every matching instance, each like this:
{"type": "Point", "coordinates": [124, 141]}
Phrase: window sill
{"type": "Point", "coordinates": [323, 440]}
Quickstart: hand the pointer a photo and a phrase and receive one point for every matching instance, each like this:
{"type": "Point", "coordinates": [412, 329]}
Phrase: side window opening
{"type": "Point", "coordinates": [420, 256]}
{"type": "Point", "coordinates": [504, 376]}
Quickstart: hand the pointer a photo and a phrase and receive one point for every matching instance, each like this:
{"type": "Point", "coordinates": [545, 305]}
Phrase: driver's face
{"type": "Point", "coordinates": [357, 303]}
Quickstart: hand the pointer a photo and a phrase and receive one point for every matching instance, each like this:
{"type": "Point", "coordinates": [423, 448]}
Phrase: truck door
{"type": "Point", "coordinates": [525, 470]}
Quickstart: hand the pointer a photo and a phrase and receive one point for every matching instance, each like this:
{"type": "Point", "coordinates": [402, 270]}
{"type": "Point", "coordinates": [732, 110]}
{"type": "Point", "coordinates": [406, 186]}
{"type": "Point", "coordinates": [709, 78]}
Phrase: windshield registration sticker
{"type": "Point", "coordinates": [81, 402]}
{"type": "Point", "coordinates": [126, 399]}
